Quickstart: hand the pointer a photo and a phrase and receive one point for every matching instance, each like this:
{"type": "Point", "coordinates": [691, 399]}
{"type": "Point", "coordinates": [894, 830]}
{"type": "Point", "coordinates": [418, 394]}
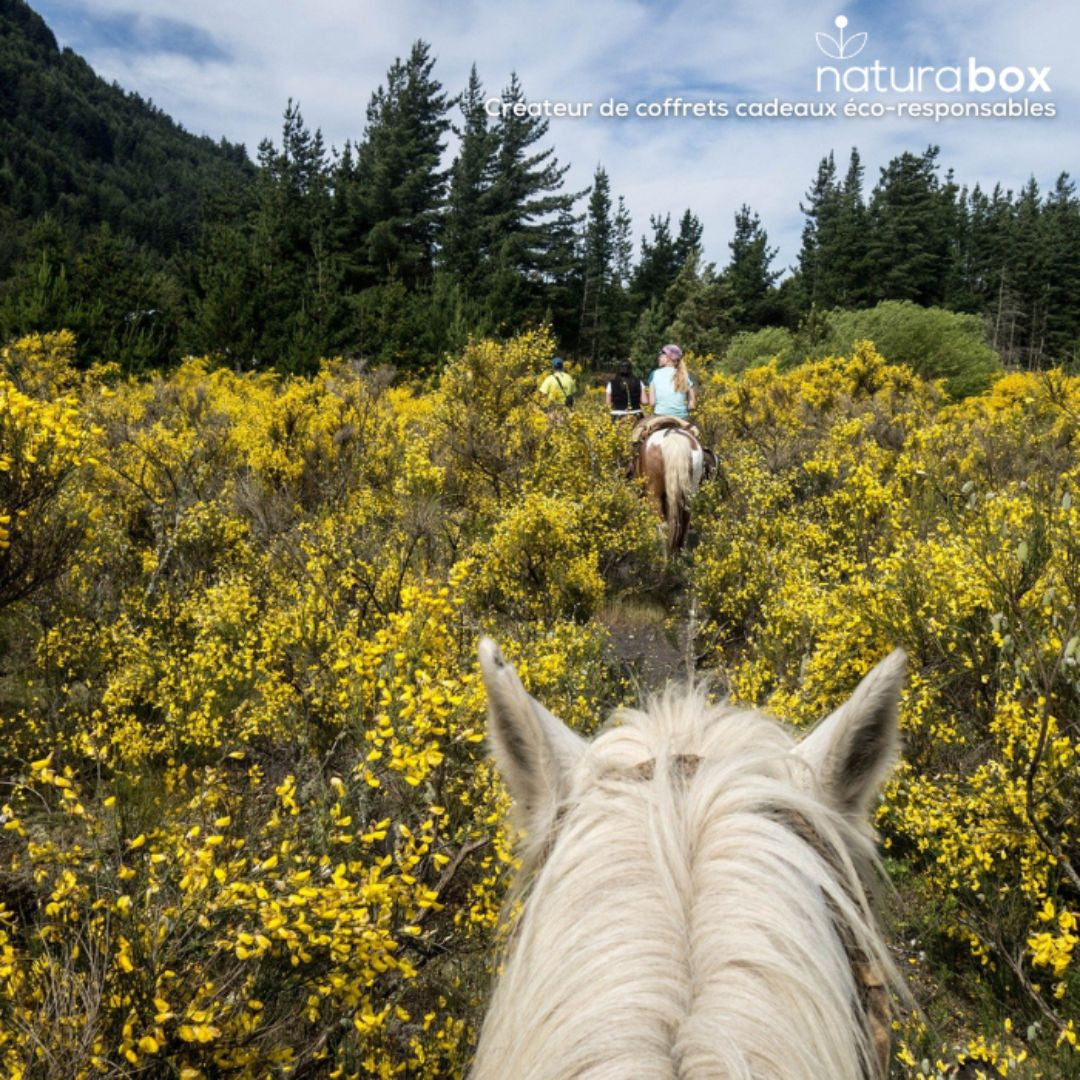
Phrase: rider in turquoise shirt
{"type": "Point", "coordinates": [671, 389]}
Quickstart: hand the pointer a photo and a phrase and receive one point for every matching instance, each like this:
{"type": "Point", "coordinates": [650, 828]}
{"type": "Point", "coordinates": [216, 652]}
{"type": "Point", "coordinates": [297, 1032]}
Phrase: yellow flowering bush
{"type": "Point", "coordinates": [864, 512]}
{"type": "Point", "coordinates": [251, 828]}
{"type": "Point", "coordinates": [248, 825]}
{"type": "Point", "coordinates": [43, 440]}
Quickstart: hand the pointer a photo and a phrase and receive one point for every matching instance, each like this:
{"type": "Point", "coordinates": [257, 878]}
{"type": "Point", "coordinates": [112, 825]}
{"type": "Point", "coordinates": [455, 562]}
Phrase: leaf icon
{"type": "Point", "coordinates": [829, 46]}
{"type": "Point", "coordinates": [853, 46]}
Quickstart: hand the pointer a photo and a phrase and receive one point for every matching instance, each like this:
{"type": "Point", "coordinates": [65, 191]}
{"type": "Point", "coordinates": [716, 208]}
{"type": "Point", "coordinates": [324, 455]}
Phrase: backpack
{"type": "Point", "coordinates": [568, 399]}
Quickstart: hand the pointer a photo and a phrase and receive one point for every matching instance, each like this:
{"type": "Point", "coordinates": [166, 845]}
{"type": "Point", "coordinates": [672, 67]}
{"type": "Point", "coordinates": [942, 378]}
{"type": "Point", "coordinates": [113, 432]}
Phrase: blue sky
{"type": "Point", "coordinates": [228, 69]}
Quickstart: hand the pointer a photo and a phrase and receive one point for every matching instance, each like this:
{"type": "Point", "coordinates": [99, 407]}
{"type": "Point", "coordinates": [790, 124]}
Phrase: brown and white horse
{"type": "Point", "coordinates": [673, 462]}
{"type": "Point", "coordinates": [694, 891]}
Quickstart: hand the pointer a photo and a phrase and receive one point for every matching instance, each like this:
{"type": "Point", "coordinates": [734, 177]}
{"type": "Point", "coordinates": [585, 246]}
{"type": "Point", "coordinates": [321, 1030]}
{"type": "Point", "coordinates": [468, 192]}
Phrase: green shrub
{"type": "Point", "coordinates": [937, 344]}
{"type": "Point", "coordinates": [754, 348]}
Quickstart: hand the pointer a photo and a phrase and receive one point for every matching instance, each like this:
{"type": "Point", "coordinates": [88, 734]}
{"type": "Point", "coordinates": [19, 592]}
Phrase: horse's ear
{"type": "Point", "coordinates": [853, 750]}
{"type": "Point", "coordinates": [533, 750]}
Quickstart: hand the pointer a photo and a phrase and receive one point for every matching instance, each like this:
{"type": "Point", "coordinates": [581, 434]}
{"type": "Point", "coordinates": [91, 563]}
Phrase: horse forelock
{"type": "Point", "coordinates": [694, 909]}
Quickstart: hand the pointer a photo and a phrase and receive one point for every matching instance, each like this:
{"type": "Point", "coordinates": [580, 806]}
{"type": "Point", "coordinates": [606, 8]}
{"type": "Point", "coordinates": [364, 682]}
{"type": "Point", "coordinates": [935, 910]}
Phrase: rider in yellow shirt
{"type": "Point", "coordinates": [558, 387]}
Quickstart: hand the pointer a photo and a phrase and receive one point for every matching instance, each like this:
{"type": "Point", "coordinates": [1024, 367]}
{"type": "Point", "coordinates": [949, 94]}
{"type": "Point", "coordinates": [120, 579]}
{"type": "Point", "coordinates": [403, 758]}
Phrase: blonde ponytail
{"type": "Point", "coordinates": [682, 377]}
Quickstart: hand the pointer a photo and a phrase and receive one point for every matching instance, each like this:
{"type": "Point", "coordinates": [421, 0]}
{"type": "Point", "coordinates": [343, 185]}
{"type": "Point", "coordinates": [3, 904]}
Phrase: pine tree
{"type": "Point", "coordinates": [621, 311]}
{"type": "Point", "coordinates": [227, 312]}
{"type": "Point", "coordinates": [658, 266]}
{"type": "Point", "coordinates": [1061, 246]}
{"type": "Point", "coordinates": [397, 205]}
{"type": "Point", "coordinates": [688, 242]}
{"type": "Point", "coordinates": [650, 333]}
{"type": "Point", "coordinates": [703, 304]}
{"type": "Point", "coordinates": [1027, 275]}
{"type": "Point", "coordinates": [849, 245]}
{"type": "Point", "coordinates": [982, 249]}
{"type": "Point", "coordinates": [37, 297]}
{"type": "Point", "coordinates": [598, 258]}
{"type": "Point", "coordinates": [125, 308]}
{"type": "Point", "coordinates": [624, 245]}
{"type": "Point", "coordinates": [749, 275]}
{"type": "Point", "coordinates": [958, 293]}
{"type": "Point", "coordinates": [989, 223]}
{"type": "Point", "coordinates": [350, 225]}
{"type": "Point", "coordinates": [952, 225]}
{"type": "Point", "coordinates": [821, 209]}
{"type": "Point", "coordinates": [468, 234]}
{"type": "Point", "coordinates": [558, 303]}
{"type": "Point", "coordinates": [907, 248]}
{"type": "Point", "coordinates": [294, 259]}
{"type": "Point", "coordinates": [529, 214]}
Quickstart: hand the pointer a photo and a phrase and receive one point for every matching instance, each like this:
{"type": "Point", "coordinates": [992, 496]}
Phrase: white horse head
{"type": "Point", "coordinates": [693, 891]}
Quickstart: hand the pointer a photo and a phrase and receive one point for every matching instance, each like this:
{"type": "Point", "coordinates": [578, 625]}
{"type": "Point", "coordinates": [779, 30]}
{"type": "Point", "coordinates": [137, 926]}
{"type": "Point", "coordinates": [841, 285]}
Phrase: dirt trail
{"type": "Point", "coordinates": [648, 644]}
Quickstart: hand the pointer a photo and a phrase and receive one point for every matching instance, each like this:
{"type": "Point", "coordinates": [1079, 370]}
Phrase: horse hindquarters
{"type": "Point", "coordinates": [671, 463]}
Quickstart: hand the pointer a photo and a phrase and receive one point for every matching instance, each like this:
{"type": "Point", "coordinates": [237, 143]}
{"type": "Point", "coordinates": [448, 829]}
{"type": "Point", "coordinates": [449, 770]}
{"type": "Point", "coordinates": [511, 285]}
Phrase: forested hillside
{"type": "Point", "coordinates": [92, 154]}
{"type": "Point", "coordinates": [102, 197]}
{"type": "Point", "coordinates": [151, 244]}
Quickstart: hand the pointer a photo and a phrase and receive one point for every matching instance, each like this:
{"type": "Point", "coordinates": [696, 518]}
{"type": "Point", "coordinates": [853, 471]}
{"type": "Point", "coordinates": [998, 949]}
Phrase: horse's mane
{"type": "Point", "coordinates": [713, 905]}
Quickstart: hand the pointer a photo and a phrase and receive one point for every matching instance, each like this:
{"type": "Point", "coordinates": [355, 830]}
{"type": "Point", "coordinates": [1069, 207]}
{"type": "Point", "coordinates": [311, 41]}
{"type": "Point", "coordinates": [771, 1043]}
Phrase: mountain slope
{"type": "Point", "coordinates": [90, 153]}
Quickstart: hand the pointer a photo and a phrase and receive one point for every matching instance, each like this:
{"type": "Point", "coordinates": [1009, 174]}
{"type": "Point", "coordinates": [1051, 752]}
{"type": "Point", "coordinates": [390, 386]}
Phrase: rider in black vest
{"type": "Point", "coordinates": [624, 394]}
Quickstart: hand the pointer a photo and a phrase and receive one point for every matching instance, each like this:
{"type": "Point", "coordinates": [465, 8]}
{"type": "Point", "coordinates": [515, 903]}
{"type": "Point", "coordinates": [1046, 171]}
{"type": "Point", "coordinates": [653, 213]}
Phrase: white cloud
{"type": "Point", "coordinates": [331, 55]}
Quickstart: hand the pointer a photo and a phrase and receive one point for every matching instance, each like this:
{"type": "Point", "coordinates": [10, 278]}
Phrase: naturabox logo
{"type": "Point", "coordinates": [971, 78]}
{"type": "Point", "coordinates": [837, 47]}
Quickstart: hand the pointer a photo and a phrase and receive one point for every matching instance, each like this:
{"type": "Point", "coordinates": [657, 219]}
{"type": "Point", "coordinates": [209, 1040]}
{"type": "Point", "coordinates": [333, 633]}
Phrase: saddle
{"type": "Point", "coordinates": [648, 424]}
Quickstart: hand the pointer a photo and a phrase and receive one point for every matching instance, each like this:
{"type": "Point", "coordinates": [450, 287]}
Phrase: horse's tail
{"type": "Point", "coordinates": [678, 455]}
